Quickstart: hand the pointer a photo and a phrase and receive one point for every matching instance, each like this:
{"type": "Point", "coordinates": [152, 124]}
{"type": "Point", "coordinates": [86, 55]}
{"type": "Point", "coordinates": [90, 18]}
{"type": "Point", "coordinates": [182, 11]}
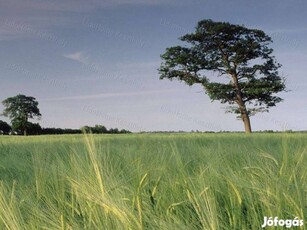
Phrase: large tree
{"type": "Point", "coordinates": [20, 109]}
{"type": "Point", "coordinates": [239, 54]}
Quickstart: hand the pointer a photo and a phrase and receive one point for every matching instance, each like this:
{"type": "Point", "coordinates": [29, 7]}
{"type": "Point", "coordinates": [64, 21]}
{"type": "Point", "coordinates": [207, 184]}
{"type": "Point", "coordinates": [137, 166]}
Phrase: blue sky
{"type": "Point", "coordinates": [95, 62]}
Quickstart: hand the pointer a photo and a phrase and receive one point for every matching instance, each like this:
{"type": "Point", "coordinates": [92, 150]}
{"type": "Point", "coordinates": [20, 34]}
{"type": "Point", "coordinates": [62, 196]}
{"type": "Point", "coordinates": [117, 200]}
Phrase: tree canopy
{"type": "Point", "coordinates": [241, 55]}
{"type": "Point", "coordinates": [20, 109]}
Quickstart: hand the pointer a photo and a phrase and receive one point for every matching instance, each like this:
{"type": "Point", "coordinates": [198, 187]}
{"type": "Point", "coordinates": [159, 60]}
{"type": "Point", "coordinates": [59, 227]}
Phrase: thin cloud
{"type": "Point", "coordinates": [108, 95]}
{"type": "Point", "coordinates": [8, 34]}
{"type": "Point", "coordinates": [79, 5]}
{"type": "Point", "coordinates": [77, 56]}
{"type": "Point", "coordinates": [37, 17]}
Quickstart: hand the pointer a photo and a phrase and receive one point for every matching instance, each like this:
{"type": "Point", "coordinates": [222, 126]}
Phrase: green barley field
{"type": "Point", "coordinates": [152, 181]}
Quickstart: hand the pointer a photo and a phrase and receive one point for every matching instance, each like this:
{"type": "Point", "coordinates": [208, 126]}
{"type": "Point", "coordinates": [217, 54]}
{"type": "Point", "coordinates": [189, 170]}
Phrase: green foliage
{"type": "Point", "coordinates": [53, 131]}
{"type": "Point", "coordinates": [5, 128]}
{"type": "Point", "coordinates": [34, 128]}
{"type": "Point", "coordinates": [151, 181]}
{"type": "Point", "coordinates": [239, 54]}
{"type": "Point", "coordinates": [96, 129]}
{"type": "Point", "coordinates": [20, 109]}
{"type": "Point", "coordinates": [99, 129]}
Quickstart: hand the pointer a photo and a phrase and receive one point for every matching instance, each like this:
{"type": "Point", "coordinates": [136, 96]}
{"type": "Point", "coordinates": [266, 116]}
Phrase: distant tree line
{"type": "Point", "coordinates": [21, 108]}
{"type": "Point", "coordinates": [36, 129]}
{"type": "Point", "coordinates": [97, 129]}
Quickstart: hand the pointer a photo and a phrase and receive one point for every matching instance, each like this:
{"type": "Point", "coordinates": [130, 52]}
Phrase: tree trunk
{"type": "Point", "coordinates": [25, 126]}
{"type": "Point", "coordinates": [247, 123]}
{"type": "Point", "coordinates": [242, 107]}
{"type": "Point", "coordinates": [244, 115]}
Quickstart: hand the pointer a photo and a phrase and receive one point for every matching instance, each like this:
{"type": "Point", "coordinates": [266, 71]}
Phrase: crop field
{"type": "Point", "coordinates": [152, 181]}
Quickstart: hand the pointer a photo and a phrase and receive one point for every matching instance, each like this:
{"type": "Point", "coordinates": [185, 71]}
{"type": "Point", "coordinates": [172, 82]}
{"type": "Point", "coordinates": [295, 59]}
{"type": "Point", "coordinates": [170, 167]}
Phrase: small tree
{"type": "Point", "coordinates": [20, 109]}
{"type": "Point", "coordinates": [239, 54]}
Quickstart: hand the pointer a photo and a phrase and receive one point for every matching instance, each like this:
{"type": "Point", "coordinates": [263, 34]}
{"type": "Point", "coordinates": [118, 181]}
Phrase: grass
{"type": "Point", "coordinates": [152, 181]}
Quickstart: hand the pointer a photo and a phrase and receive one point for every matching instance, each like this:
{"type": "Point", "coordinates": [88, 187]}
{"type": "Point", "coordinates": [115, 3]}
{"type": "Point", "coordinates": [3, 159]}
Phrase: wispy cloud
{"type": "Point", "coordinates": [77, 56]}
{"type": "Point", "coordinates": [28, 18]}
{"type": "Point", "coordinates": [108, 95]}
{"type": "Point", "coordinates": [13, 29]}
{"type": "Point", "coordinates": [7, 33]}
{"type": "Point", "coordinates": [79, 5]}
